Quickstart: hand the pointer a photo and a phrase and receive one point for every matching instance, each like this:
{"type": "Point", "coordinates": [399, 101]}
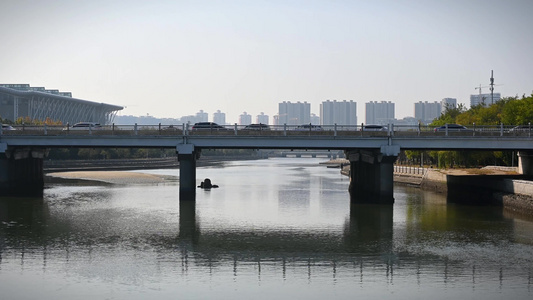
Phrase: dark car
{"type": "Point", "coordinates": [208, 126]}
{"type": "Point", "coordinates": [452, 127]}
{"type": "Point", "coordinates": [170, 128]}
{"type": "Point", "coordinates": [375, 128]}
{"type": "Point", "coordinates": [309, 127]}
{"type": "Point", "coordinates": [259, 126]}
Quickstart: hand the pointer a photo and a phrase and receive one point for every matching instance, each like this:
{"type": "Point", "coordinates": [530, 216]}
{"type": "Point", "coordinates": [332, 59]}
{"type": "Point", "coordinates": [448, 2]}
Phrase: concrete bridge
{"type": "Point", "coordinates": [371, 154]}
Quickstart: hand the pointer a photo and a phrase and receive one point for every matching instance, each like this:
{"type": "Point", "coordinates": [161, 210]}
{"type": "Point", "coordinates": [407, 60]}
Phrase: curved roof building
{"type": "Point", "coordinates": [38, 103]}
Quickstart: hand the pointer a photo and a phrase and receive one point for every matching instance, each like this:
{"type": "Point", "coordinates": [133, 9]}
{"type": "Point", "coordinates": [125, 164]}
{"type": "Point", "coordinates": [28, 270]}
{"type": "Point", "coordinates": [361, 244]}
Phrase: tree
{"type": "Point", "coordinates": [518, 111]}
{"type": "Point", "coordinates": [449, 116]}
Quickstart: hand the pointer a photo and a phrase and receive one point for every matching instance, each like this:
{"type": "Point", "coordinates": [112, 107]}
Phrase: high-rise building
{"type": "Point", "coordinates": [484, 99]}
{"type": "Point", "coordinates": [379, 112]}
{"type": "Point", "coordinates": [341, 113]}
{"type": "Point", "coordinates": [219, 117]}
{"type": "Point", "coordinates": [426, 112]}
{"type": "Point", "coordinates": [245, 119]}
{"type": "Point", "coordinates": [275, 120]}
{"type": "Point", "coordinates": [448, 102]}
{"type": "Point", "coordinates": [314, 119]}
{"type": "Point", "coordinates": [294, 113]}
{"type": "Point", "coordinates": [261, 118]}
{"type": "Point", "coordinates": [201, 116]}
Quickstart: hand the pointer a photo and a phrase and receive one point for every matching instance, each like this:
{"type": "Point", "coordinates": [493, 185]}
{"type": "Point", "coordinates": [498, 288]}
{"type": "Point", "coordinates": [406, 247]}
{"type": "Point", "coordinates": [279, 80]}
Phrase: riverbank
{"type": "Point", "coordinates": [488, 185]}
{"type": "Point", "coordinates": [132, 164]}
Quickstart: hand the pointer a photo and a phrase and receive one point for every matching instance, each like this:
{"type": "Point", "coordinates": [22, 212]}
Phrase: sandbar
{"type": "Point", "coordinates": [115, 177]}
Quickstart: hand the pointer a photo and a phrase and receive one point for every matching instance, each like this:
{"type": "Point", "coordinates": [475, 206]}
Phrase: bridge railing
{"type": "Point", "coordinates": [410, 170]}
{"type": "Point", "coordinates": [273, 130]}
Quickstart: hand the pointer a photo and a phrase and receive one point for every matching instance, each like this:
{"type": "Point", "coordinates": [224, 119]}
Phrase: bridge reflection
{"type": "Point", "coordinates": [33, 229]}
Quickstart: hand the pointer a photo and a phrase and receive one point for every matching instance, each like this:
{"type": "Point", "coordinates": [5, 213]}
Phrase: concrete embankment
{"type": "Point", "coordinates": [488, 185]}
{"type": "Point", "coordinates": [501, 187]}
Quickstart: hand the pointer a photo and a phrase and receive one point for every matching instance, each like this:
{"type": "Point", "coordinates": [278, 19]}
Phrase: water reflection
{"type": "Point", "coordinates": [369, 229]}
{"type": "Point", "coordinates": [307, 235]}
{"type": "Point", "coordinates": [189, 229]}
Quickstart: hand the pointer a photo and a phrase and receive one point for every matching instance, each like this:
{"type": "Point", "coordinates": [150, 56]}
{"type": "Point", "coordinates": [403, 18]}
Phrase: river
{"type": "Point", "coordinates": [281, 228]}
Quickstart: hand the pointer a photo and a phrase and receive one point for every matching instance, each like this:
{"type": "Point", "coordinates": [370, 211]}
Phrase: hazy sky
{"type": "Point", "coordinates": [173, 58]}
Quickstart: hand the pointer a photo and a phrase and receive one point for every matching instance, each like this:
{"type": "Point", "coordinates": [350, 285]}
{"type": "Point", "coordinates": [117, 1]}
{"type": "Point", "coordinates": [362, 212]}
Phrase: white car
{"type": "Point", "coordinates": [84, 126]}
{"type": "Point", "coordinates": [7, 127]}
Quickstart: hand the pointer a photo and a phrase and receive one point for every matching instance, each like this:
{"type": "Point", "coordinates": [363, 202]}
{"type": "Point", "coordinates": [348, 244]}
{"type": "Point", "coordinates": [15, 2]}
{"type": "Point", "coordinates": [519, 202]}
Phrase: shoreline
{"type": "Point", "coordinates": [52, 166]}
{"type": "Point", "coordinates": [110, 177]}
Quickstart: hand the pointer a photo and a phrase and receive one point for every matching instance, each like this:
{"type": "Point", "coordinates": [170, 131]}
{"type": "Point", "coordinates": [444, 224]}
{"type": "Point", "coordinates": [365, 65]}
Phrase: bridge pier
{"type": "Point", "coordinates": [21, 172]}
{"type": "Point", "coordinates": [525, 163]}
{"type": "Point", "coordinates": [187, 156]}
{"type": "Point", "coordinates": [371, 175]}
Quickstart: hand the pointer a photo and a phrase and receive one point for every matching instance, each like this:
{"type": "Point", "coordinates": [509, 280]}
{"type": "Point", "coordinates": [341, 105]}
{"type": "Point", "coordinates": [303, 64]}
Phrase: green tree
{"type": "Point", "coordinates": [449, 116]}
{"type": "Point", "coordinates": [518, 111]}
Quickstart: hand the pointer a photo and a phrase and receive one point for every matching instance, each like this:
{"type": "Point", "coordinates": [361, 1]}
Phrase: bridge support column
{"type": "Point", "coordinates": [525, 162]}
{"type": "Point", "coordinates": [371, 176]}
{"type": "Point", "coordinates": [187, 158]}
{"type": "Point", "coordinates": [21, 172]}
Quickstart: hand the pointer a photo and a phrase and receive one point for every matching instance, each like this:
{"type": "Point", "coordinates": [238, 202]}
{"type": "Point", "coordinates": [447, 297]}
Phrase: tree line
{"type": "Point", "coordinates": [507, 111]}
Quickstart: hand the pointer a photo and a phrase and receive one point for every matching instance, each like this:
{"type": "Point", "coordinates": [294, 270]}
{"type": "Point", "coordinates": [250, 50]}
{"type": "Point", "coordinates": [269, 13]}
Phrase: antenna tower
{"type": "Point", "coordinates": [491, 87]}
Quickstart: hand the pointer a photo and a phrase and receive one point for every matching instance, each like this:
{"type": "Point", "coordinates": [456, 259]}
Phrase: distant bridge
{"type": "Point", "coordinates": [312, 153]}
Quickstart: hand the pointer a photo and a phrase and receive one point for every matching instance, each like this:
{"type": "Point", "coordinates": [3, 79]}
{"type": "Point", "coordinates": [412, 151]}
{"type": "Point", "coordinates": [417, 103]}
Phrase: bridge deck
{"type": "Point", "coordinates": [330, 138]}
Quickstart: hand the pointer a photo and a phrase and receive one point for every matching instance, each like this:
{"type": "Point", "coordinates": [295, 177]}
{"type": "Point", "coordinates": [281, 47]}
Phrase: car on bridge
{"type": "Point", "coordinates": [259, 126]}
{"type": "Point", "coordinates": [84, 126]}
{"type": "Point", "coordinates": [208, 126]}
{"type": "Point", "coordinates": [521, 128]}
{"type": "Point", "coordinates": [374, 128]}
{"type": "Point", "coordinates": [452, 127]}
{"type": "Point", "coordinates": [171, 128]}
{"type": "Point", "coordinates": [7, 127]}
{"type": "Point", "coordinates": [309, 127]}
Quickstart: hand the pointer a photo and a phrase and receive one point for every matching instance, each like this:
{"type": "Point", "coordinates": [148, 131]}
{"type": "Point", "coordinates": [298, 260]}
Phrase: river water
{"type": "Point", "coordinates": [275, 229]}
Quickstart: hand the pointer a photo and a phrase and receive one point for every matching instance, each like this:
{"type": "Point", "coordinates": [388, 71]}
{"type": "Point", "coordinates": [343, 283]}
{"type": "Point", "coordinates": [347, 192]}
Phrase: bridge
{"type": "Point", "coordinates": [371, 153]}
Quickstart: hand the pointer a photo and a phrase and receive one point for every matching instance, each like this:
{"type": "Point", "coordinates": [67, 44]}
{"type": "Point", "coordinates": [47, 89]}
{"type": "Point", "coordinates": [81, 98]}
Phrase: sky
{"type": "Point", "coordinates": [174, 58]}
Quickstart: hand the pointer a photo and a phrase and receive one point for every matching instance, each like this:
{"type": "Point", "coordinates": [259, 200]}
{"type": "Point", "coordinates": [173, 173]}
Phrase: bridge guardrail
{"type": "Point", "coordinates": [272, 130]}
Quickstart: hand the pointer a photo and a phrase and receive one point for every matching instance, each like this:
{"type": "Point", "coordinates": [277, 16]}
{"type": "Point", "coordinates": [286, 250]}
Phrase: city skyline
{"type": "Point", "coordinates": [331, 112]}
{"type": "Point", "coordinates": [170, 59]}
